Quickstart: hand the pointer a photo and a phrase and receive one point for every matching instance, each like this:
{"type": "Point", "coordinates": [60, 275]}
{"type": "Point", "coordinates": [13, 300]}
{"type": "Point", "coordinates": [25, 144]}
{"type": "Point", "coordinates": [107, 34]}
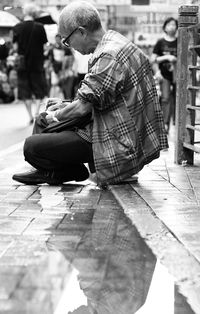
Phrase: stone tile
{"type": "Point", "coordinates": [8, 285]}
{"type": "Point", "coordinates": [18, 261]}
{"type": "Point", "coordinates": [24, 248]}
{"type": "Point", "coordinates": [6, 211]}
{"type": "Point", "coordinates": [13, 225]}
{"type": "Point", "coordinates": [12, 307]}
{"type": "Point", "coordinates": [4, 245]}
{"type": "Point", "coordinates": [18, 195]}
{"type": "Point", "coordinates": [42, 225]}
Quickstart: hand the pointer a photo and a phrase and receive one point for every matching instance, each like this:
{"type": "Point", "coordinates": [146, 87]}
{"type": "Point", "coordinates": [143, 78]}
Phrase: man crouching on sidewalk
{"type": "Point", "coordinates": [127, 129]}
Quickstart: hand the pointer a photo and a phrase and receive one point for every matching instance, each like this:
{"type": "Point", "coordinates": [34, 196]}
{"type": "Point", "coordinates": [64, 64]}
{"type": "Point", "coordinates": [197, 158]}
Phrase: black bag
{"type": "Point", "coordinates": [20, 63]}
{"type": "Point", "coordinates": [41, 125]}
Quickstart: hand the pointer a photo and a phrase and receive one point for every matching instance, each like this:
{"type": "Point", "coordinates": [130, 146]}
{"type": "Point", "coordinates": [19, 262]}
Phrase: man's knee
{"type": "Point", "coordinates": [30, 146]}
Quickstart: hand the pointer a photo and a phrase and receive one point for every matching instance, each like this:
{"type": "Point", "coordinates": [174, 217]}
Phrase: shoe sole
{"type": "Point", "coordinates": [28, 182]}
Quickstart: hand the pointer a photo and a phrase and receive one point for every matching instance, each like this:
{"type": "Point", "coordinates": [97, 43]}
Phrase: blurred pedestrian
{"type": "Point", "coordinates": [62, 76]}
{"type": "Point", "coordinates": [6, 92]}
{"type": "Point", "coordinates": [164, 61]}
{"type": "Point", "coordinates": [12, 72]}
{"type": "Point", "coordinates": [4, 51]}
{"type": "Point", "coordinates": [81, 67]}
{"type": "Point", "coordinates": [30, 37]}
{"type": "Point", "coordinates": [68, 76]}
{"type": "Point", "coordinates": [125, 130]}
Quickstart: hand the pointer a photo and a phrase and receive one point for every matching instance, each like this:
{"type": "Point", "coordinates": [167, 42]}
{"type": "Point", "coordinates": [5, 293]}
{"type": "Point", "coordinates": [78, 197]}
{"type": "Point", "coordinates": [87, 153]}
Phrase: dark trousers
{"type": "Point", "coordinates": [65, 151]}
{"type": "Point", "coordinates": [168, 94]}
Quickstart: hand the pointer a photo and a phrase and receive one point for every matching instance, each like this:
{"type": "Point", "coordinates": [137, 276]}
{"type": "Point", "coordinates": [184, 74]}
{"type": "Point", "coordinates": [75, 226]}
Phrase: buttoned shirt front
{"type": "Point", "coordinates": [128, 130]}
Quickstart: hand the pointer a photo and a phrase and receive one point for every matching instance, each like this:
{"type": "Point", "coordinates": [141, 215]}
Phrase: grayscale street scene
{"type": "Point", "coordinates": [100, 157]}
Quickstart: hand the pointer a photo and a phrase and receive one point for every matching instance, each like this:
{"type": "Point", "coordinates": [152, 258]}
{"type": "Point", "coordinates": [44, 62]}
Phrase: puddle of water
{"type": "Point", "coordinates": [50, 196]}
{"type": "Point", "coordinates": [160, 298]}
{"type": "Point", "coordinates": [113, 270]}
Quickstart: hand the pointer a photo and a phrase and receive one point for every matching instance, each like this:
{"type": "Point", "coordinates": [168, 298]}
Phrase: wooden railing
{"type": "Point", "coordinates": [187, 139]}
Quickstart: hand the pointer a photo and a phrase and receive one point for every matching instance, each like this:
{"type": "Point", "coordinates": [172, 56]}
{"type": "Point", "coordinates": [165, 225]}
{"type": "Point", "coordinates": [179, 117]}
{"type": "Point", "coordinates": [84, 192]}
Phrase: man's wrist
{"type": "Point", "coordinates": [54, 116]}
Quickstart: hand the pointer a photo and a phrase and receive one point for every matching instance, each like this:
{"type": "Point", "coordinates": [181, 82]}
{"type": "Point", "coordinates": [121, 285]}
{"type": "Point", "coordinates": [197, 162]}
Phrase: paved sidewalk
{"type": "Point", "coordinates": [167, 216]}
{"type": "Point", "coordinates": [81, 242]}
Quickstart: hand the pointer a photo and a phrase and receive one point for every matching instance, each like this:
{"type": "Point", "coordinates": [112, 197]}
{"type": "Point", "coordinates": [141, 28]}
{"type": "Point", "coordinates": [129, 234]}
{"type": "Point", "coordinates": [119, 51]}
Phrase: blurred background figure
{"type": "Point", "coordinates": [81, 67]}
{"type": "Point", "coordinates": [30, 37]}
{"type": "Point", "coordinates": [4, 50]}
{"type": "Point", "coordinates": [12, 71]}
{"type": "Point", "coordinates": [164, 58]}
{"type": "Point", "coordinates": [68, 76]}
{"type": "Point", "coordinates": [62, 72]}
{"type": "Point", "coordinates": [6, 91]}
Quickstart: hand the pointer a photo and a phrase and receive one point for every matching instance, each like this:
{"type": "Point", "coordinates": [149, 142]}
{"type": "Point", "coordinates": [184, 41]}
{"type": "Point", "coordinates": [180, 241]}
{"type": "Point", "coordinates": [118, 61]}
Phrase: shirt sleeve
{"type": "Point", "coordinates": [157, 48]}
{"type": "Point", "coordinates": [102, 83]}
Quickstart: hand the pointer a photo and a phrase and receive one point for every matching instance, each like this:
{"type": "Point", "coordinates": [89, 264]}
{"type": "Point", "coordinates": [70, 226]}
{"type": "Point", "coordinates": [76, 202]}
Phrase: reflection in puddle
{"type": "Point", "coordinates": [112, 267]}
{"type": "Point", "coordinates": [114, 264]}
{"type": "Point", "coordinates": [77, 297]}
{"type": "Point", "coordinates": [49, 196]}
{"type": "Point", "coordinates": [160, 298]}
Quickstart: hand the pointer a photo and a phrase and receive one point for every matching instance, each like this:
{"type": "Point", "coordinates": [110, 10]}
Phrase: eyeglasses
{"type": "Point", "coordinates": [65, 41]}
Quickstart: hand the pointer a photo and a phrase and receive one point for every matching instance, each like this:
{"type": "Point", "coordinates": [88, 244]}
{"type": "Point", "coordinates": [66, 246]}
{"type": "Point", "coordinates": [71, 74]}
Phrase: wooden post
{"type": "Point", "coordinates": [188, 15]}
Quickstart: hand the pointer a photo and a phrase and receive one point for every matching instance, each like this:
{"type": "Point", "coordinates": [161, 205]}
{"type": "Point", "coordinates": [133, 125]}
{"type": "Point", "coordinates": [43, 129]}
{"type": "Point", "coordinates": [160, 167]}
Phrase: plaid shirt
{"type": "Point", "coordinates": [128, 129]}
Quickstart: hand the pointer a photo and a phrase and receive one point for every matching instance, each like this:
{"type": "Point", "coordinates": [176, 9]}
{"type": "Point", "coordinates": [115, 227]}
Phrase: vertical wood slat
{"type": "Point", "coordinates": [188, 154]}
{"type": "Point", "coordinates": [187, 17]}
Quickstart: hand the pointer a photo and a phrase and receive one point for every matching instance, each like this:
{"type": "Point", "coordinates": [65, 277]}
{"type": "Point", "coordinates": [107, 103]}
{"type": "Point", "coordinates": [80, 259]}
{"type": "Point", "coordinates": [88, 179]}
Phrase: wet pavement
{"type": "Point", "coordinates": [75, 248]}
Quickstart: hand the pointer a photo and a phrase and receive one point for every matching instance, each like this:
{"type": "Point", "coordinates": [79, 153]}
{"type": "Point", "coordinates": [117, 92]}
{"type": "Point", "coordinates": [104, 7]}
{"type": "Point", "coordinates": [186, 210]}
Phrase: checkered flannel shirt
{"type": "Point", "coordinates": [128, 129]}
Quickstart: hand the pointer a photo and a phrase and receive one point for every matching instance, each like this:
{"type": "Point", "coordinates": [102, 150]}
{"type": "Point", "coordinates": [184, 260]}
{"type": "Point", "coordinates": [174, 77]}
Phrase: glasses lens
{"type": "Point", "coordinates": [66, 39]}
{"type": "Point", "coordinates": [64, 42]}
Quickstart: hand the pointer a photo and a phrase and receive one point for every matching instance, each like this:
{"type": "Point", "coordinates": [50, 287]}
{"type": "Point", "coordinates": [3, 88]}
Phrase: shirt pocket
{"type": "Point", "coordinates": [122, 143]}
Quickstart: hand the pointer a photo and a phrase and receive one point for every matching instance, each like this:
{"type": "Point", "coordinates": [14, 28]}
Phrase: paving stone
{"type": "Point", "coordinates": [10, 283]}
{"type": "Point", "coordinates": [6, 211]}
{"type": "Point", "coordinates": [17, 194]}
{"type": "Point", "coordinates": [12, 307]}
{"type": "Point", "coordinates": [4, 245]}
{"type": "Point", "coordinates": [13, 225]}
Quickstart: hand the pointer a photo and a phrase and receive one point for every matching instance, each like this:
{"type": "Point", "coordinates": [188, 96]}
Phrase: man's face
{"type": "Point", "coordinates": [77, 39]}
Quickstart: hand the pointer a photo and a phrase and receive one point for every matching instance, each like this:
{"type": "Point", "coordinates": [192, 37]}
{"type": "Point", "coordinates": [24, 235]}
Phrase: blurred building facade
{"type": "Point", "coordinates": [141, 23]}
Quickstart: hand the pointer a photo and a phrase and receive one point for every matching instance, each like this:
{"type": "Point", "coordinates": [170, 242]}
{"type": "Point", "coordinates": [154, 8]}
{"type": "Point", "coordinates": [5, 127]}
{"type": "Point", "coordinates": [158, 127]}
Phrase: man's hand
{"type": "Point", "coordinates": [72, 110]}
{"type": "Point", "coordinates": [53, 102]}
{"type": "Point", "coordinates": [58, 106]}
{"type": "Point", "coordinates": [51, 116]}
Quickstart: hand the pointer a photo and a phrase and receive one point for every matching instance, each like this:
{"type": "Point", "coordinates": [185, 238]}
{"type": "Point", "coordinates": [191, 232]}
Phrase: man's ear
{"type": "Point", "coordinates": [83, 31]}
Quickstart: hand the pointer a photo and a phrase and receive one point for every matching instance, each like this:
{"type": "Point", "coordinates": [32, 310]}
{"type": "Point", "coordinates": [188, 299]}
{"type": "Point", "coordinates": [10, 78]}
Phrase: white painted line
{"type": "Point", "coordinates": [11, 149]}
{"type": "Point", "coordinates": [10, 170]}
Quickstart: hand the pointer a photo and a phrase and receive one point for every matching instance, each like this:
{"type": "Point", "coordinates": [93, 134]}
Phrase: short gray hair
{"type": "Point", "coordinates": [31, 9]}
{"type": "Point", "coordinates": [79, 13]}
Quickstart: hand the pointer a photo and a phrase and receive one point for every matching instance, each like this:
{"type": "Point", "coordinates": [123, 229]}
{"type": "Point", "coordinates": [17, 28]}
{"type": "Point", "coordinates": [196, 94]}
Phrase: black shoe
{"type": "Point", "coordinates": [35, 177]}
